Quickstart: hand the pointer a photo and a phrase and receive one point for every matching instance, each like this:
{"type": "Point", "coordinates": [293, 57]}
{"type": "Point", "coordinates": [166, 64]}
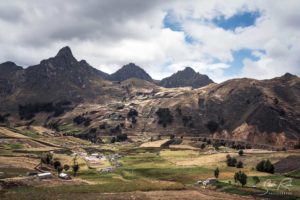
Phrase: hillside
{"type": "Point", "coordinates": [59, 89]}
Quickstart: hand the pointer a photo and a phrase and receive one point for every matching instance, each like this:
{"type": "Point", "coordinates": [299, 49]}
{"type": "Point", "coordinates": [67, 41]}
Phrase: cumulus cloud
{"type": "Point", "coordinates": [109, 34]}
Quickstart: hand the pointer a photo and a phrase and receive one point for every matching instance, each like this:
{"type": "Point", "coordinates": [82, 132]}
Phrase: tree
{"type": "Point", "coordinates": [265, 166]}
{"type": "Point", "coordinates": [256, 180]}
{"type": "Point", "coordinates": [241, 152]}
{"type": "Point", "coordinates": [113, 140]}
{"type": "Point", "coordinates": [212, 126]}
{"type": "Point", "coordinates": [75, 168]}
{"type": "Point", "coordinates": [46, 158]}
{"type": "Point", "coordinates": [203, 146]}
{"type": "Point", "coordinates": [240, 177]}
{"type": "Point", "coordinates": [231, 162]}
{"type": "Point", "coordinates": [66, 167]}
{"type": "Point", "coordinates": [164, 116]}
{"type": "Point", "coordinates": [56, 164]}
{"type": "Point", "coordinates": [217, 172]}
{"type": "Point", "coordinates": [59, 169]}
{"type": "Point", "coordinates": [240, 164]}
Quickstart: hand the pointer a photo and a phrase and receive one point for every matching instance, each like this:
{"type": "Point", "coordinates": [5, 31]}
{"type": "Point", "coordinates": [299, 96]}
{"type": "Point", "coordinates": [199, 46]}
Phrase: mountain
{"type": "Point", "coordinates": [256, 111]}
{"type": "Point", "coordinates": [130, 71]}
{"type": "Point", "coordinates": [185, 78]}
{"type": "Point", "coordinates": [59, 77]}
{"type": "Point", "coordinates": [8, 69]}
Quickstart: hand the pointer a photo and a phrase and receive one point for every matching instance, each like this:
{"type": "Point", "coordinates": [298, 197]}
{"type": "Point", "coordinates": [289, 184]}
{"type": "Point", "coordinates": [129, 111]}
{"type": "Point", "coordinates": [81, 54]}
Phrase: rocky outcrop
{"type": "Point", "coordinates": [130, 71]}
{"type": "Point", "coordinates": [186, 78]}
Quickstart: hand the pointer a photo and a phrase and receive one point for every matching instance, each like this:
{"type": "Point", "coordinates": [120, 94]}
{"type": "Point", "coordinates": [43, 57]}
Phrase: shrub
{"type": "Point", "coordinates": [121, 137]}
{"type": "Point", "coordinates": [3, 118]}
{"type": "Point", "coordinates": [66, 167]}
{"type": "Point", "coordinates": [28, 111]}
{"type": "Point", "coordinates": [78, 119]}
{"type": "Point", "coordinates": [240, 164]}
{"type": "Point", "coordinates": [116, 130]}
{"type": "Point", "coordinates": [75, 168]}
{"type": "Point", "coordinates": [217, 172]}
{"type": "Point", "coordinates": [164, 116]}
{"type": "Point", "coordinates": [56, 164]}
{"type": "Point", "coordinates": [256, 180]}
{"type": "Point", "coordinates": [132, 113]}
{"type": "Point", "coordinates": [87, 122]}
{"type": "Point", "coordinates": [102, 126]}
{"type": "Point", "coordinates": [46, 158]}
{"type": "Point", "coordinates": [113, 140]}
{"type": "Point", "coordinates": [59, 169]}
{"type": "Point", "coordinates": [240, 177]}
{"type": "Point", "coordinates": [241, 152]}
{"type": "Point", "coordinates": [203, 146]}
{"type": "Point", "coordinates": [212, 126]}
{"type": "Point", "coordinates": [231, 162]}
{"type": "Point", "coordinates": [265, 166]}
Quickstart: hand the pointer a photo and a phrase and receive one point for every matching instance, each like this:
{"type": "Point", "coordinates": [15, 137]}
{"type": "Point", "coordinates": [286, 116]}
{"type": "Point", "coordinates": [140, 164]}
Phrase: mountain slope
{"type": "Point", "coordinates": [185, 78]}
{"type": "Point", "coordinates": [130, 71]}
{"type": "Point", "coordinates": [58, 78]}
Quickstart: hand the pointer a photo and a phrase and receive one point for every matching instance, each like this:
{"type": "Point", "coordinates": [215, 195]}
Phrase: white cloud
{"type": "Point", "coordinates": [109, 34]}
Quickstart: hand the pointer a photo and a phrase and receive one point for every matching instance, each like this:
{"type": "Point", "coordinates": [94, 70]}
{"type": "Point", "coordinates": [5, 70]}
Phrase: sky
{"type": "Point", "coordinates": [221, 38]}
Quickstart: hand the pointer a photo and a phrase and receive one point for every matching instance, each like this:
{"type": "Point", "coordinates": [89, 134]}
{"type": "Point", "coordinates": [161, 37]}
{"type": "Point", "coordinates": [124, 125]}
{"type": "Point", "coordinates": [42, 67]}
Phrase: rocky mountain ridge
{"type": "Point", "coordinates": [259, 111]}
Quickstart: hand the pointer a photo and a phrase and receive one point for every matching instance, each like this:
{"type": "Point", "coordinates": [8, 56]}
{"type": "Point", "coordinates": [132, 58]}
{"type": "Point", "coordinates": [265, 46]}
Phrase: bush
{"type": "Point", "coordinates": [75, 169]}
{"type": "Point", "coordinates": [56, 164]}
{"type": "Point", "coordinates": [116, 130]}
{"type": "Point", "coordinates": [46, 158]}
{"type": "Point", "coordinates": [203, 146]}
{"type": "Point", "coordinates": [66, 167]}
{"type": "Point", "coordinates": [217, 172]}
{"type": "Point", "coordinates": [241, 152]}
{"type": "Point", "coordinates": [3, 118]}
{"type": "Point", "coordinates": [102, 126]}
{"type": "Point", "coordinates": [212, 126]}
{"type": "Point", "coordinates": [240, 177]}
{"type": "Point", "coordinates": [240, 164]}
{"type": "Point", "coordinates": [256, 180]}
{"type": "Point", "coordinates": [87, 122]}
{"type": "Point", "coordinates": [164, 116]}
{"type": "Point", "coordinates": [132, 113]}
{"type": "Point", "coordinates": [121, 137]}
{"type": "Point", "coordinates": [265, 166]}
{"type": "Point", "coordinates": [231, 162]}
{"type": "Point", "coordinates": [28, 111]}
{"type": "Point", "coordinates": [78, 119]}
{"type": "Point", "coordinates": [113, 140]}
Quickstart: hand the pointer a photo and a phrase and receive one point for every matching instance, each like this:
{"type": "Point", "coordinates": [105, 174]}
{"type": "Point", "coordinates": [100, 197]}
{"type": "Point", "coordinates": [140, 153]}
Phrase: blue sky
{"type": "Point", "coordinates": [239, 20]}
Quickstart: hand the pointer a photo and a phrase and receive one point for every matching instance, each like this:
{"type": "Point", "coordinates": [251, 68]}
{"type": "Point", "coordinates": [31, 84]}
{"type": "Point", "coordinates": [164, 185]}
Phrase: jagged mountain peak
{"type": "Point", "coordinates": [65, 52]}
{"type": "Point", "coordinates": [130, 70]}
{"type": "Point", "coordinates": [186, 78]}
{"type": "Point", "coordinates": [188, 69]}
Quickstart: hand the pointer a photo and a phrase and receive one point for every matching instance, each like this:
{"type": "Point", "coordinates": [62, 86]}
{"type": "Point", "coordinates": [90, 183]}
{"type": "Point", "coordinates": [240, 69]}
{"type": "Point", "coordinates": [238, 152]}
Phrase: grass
{"type": "Point", "coordinates": [12, 172]}
{"type": "Point", "coordinates": [14, 146]}
{"type": "Point", "coordinates": [28, 133]}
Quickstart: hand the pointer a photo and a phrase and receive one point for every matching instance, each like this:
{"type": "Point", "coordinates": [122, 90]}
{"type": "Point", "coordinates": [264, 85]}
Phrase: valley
{"type": "Point", "coordinates": [69, 131]}
{"type": "Point", "coordinates": [136, 169]}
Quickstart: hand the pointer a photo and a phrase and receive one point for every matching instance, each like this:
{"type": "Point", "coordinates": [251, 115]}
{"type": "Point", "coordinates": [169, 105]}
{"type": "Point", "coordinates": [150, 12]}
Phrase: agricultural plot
{"type": "Point", "coordinates": [140, 167]}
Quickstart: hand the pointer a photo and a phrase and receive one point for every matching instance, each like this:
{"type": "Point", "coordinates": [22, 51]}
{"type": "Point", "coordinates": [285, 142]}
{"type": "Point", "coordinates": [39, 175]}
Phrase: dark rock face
{"type": "Point", "coordinates": [130, 71]}
{"type": "Point", "coordinates": [58, 78]}
{"type": "Point", "coordinates": [185, 78]}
